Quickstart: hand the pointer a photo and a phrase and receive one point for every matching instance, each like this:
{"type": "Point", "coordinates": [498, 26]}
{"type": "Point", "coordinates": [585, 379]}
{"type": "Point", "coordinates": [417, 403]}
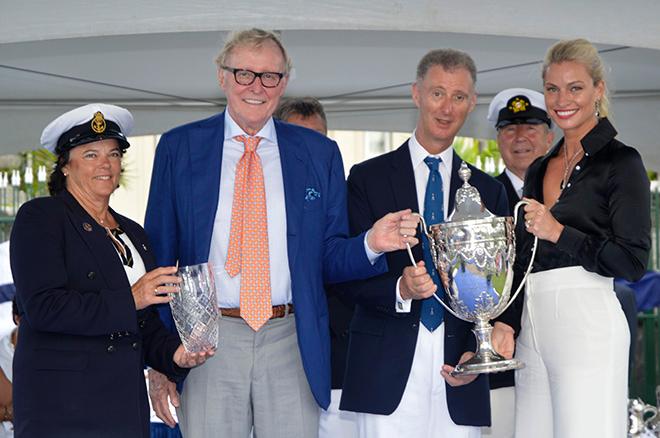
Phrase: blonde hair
{"type": "Point", "coordinates": [582, 51]}
{"type": "Point", "coordinates": [252, 38]}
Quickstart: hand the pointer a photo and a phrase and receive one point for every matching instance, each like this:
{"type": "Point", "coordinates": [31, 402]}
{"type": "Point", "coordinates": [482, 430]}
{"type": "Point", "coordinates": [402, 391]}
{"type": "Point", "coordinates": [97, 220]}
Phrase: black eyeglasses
{"type": "Point", "coordinates": [269, 79]}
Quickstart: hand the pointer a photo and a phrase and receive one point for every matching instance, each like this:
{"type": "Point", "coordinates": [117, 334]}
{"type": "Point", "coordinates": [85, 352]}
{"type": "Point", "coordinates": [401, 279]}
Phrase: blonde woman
{"type": "Point", "coordinates": [590, 209]}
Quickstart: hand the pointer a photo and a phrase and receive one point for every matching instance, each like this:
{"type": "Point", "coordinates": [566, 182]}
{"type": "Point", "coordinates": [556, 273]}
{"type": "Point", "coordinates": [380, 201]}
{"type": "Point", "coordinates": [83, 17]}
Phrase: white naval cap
{"type": "Point", "coordinates": [86, 124]}
{"type": "Point", "coordinates": [518, 105]}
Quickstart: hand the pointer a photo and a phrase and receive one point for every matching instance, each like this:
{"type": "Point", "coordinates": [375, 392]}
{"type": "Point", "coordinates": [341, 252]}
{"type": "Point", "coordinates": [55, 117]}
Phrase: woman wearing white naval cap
{"type": "Point", "coordinates": [85, 284]}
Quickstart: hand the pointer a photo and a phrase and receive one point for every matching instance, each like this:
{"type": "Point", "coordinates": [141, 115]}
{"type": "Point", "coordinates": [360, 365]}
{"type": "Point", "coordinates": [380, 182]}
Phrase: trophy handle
{"type": "Point", "coordinates": [531, 261]}
{"type": "Point", "coordinates": [424, 230]}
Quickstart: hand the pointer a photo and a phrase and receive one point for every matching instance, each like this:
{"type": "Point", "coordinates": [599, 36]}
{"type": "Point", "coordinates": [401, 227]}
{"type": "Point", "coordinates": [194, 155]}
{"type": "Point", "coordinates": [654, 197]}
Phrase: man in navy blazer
{"type": "Point", "coordinates": [271, 379]}
{"type": "Point", "coordinates": [396, 365]}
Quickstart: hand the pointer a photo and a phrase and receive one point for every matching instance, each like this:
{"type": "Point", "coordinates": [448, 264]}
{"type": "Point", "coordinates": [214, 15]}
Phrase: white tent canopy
{"type": "Point", "coordinates": [156, 57]}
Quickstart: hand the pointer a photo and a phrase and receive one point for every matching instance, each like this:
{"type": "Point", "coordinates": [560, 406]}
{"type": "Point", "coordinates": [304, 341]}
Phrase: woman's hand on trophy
{"type": "Point", "coordinates": [502, 339]}
{"type": "Point", "coordinates": [186, 359]}
{"type": "Point", "coordinates": [393, 231]}
{"type": "Point", "coordinates": [458, 380]}
{"type": "Point", "coordinates": [416, 283]}
{"type": "Point", "coordinates": [155, 287]}
{"type": "Point", "coordinates": [540, 222]}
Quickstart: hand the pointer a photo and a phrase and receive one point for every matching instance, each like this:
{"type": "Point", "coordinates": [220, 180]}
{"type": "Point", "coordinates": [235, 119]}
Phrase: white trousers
{"type": "Point", "coordinates": [574, 343]}
{"type": "Point", "coordinates": [423, 411]}
{"type": "Point", "coordinates": [502, 413]}
{"type": "Point", "coordinates": [334, 423]}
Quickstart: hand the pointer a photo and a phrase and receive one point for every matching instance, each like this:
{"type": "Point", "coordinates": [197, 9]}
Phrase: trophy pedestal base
{"type": "Point", "coordinates": [479, 365]}
{"type": "Point", "coordinates": [486, 359]}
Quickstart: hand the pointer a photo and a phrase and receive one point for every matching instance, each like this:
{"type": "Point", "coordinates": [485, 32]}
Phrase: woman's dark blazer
{"type": "Point", "coordinates": [82, 346]}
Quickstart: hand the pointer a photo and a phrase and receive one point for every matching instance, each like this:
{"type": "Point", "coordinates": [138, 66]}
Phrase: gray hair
{"type": "Point", "coordinates": [581, 51]}
{"type": "Point", "coordinates": [449, 60]}
{"type": "Point", "coordinates": [251, 38]}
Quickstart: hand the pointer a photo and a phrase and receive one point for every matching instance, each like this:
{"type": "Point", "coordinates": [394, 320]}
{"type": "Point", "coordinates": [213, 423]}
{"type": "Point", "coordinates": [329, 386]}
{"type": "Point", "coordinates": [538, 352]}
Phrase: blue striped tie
{"type": "Point", "coordinates": [432, 311]}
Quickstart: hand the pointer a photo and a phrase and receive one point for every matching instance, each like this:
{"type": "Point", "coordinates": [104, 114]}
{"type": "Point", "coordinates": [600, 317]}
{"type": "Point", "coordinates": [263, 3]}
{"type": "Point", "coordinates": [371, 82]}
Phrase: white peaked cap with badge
{"type": "Point", "coordinates": [85, 124]}
{"type": "Point", "coordinates": [518, 105]}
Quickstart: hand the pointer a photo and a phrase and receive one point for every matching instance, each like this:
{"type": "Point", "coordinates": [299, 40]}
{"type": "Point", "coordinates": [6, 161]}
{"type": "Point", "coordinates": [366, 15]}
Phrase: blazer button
{"type": "Point", "coordinates": [134, 345]}
{"type": "Point", "coordinates": [91, 275]}
{"type": "Point", "coordinates": [414, 325]}
{"type": "Point", "coordinates": [111, 349]}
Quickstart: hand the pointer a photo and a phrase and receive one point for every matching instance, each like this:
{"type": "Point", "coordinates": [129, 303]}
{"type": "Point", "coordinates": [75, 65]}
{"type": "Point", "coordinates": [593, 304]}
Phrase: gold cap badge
{"type": "Point", "coordinates": [517, 105]}
{"type": "Point", "coordinates": [98, 123]}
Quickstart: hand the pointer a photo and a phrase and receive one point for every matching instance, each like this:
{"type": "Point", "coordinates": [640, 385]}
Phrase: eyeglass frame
{"type": "Point", "coordinates": [256, 75]}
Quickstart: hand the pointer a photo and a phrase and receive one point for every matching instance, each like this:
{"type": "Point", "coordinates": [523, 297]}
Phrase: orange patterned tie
{"type": "Point", "coordinates": [248, 237]}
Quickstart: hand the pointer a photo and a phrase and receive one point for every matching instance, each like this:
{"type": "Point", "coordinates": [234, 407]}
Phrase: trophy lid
{"type": "Point", "coordinates": [468, 205]}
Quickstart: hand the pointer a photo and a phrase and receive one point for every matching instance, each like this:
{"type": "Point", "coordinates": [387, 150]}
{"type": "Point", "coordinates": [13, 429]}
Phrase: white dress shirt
{"type": "Point", "coordinates": [516, 182]}
{"type": "Point", "coordinates": [421, 172]}
{"type": "Point", "coordinates": [228, 288]}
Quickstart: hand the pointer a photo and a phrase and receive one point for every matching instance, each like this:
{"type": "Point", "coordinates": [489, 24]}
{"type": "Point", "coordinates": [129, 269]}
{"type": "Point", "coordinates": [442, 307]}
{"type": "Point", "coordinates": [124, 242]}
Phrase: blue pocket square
{"type": "Point", "coordinates": [311, 194]}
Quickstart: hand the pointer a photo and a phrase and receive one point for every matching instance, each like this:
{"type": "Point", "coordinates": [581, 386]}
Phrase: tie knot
{"type": "Point", "coordinates": [250, 143]}
{"type": "Point", "coordinates": [433, 163]}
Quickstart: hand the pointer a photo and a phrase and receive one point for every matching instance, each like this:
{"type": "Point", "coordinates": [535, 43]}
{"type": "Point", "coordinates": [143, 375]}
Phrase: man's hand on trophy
{"type": "Point", "coordinates": [393, 231]}
{"type": "Point", "coordinates": [502, 339]}
{"type": "Point", "coordinates": [458, 380]}
{"type": "Point", "coordinates": [416, 283]}
{"type": "Point", "coordinates": [540, 222]}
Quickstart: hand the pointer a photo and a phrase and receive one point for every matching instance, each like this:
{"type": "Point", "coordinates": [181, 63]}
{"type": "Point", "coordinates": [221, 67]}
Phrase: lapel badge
{"type": "Point", "coordinates": [98, 123]}
{"type": "Point", "coordinates": [311, 194]}
{"type": "Point", "coordinates": [87, 227]}
{"type": "Point", "coordinates": [144, 247]}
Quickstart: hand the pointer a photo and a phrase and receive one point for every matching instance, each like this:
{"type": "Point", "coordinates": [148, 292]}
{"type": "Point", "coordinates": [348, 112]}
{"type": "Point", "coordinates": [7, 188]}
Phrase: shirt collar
{"type": "Point", "coordinates": [418, 153]}
{"type": "Point", "coordinates": [594, 141]}
{"type": "Point", "coordinates": [598, 137]}
{"type": "Point", "coordinates": [516, 182]}
{"type": "Point", "coordinates": [267, 132]}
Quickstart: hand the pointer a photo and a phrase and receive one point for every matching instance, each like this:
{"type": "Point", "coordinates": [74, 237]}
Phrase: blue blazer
{"type": "Point", "coordinates": [183, 201]}
{"type": "Point", "coordinates": [82, 346]}
{"type": "Point", "coordinates": [382, 342]}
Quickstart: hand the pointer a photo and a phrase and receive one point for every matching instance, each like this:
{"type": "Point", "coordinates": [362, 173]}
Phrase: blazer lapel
{"type": "Point", "coordinates": [205, 150]}
{"type": "Point", "coordinates": [138, 241]}
{"type": "Point", "coordinates": [294, 172]}
{"type": "Point", "coordinates": [99, 245]}
{"type": "Point", "coordinates": [402, 183]}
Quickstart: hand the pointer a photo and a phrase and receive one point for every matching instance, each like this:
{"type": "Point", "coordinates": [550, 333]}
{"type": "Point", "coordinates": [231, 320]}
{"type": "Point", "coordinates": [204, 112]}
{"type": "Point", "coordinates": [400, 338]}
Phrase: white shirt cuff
{"type": "Point", "coordinates": [371, 255]}
{"type": "Point", "coordinates": [402, 306]}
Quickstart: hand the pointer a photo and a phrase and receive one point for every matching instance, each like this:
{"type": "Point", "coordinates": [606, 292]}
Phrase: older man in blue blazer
{"type": "Point", "coordinates": [265, 203]}
{"type": "Point", "coordinates": [402, 345]}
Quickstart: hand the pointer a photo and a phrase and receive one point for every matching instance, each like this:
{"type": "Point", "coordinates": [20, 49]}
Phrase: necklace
{"type": "Point", "coordinates": [568, 164]}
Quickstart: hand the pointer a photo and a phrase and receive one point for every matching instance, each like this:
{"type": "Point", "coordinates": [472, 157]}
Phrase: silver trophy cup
{"type": "Point", "coordinates": [474, 252]}
{"type": "Point", "coordinates": [195, 308]}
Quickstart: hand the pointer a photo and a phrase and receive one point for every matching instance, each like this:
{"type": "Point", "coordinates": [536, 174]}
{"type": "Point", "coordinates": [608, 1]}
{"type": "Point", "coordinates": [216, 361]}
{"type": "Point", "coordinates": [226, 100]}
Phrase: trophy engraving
{"type": "Point", "coordinates": [474, 252]}
{"type": "Point", "coordinates": [195, 308]}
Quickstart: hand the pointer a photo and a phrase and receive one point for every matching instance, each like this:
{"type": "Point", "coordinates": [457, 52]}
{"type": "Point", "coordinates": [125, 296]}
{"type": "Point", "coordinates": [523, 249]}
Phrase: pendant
{"type": "Point", "coordinates": [561, 185]}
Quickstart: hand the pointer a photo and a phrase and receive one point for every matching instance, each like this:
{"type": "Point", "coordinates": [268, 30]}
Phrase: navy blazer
{"type": "Point", "coordinates": [382, 341]}
{"type": "Point", "coordinates": [183, 201]}
{"type": "Point", "coordinates": [511, 193]}
{"type": "Point", "coordinates": [82, 346]}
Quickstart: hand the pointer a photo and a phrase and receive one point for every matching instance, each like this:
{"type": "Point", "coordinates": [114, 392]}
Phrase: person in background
{"type": "Point", "coordinates": [523, 135]}
{"type": "Point", "coordinates": [308, 112]}
{"type": "Point", "coordinates": [86, 281]}
{"type": "Point", "coordinates": [590, 209]}
{"type": "Point", "coordinates": [303, 111]}
{"type": "Point", "coordinates": [7, 347]}
{"type": "Point", "coordinates": [265, 203]}
{"type": "Point", "coordinates": [402, 344]}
